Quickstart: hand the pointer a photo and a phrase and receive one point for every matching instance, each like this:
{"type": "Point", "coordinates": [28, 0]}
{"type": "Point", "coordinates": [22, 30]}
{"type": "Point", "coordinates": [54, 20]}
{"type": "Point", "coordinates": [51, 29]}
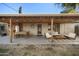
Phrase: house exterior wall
{"type": "Point", "coordinates": [28, 27]}
{"type": "Point", "coordinates": [32, 28]}
{"type": "Point", "coordinates": [64, 28]}
{"type": "Point", "coordinates": [67, 28]}
{"type": "Point", "coordinates": [44, 28]}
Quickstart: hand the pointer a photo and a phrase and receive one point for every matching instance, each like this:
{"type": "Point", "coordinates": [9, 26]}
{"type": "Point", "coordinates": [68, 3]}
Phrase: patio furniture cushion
{"type": "Point", "coordinates": [48, 35]}
{"type": "Point", "coordinates": [71, 35]}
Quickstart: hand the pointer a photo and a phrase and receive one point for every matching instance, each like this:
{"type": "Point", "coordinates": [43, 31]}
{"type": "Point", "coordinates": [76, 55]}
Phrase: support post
{"type": "Point", "coordinates": [52, 25]}
{"type": "Point", "coordinates": [10, 30]}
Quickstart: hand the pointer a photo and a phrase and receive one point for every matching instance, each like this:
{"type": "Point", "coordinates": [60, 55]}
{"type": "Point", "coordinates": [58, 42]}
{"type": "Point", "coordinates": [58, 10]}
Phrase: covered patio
{"type": "Point", "coordinates": [21, 20]}
{"type": "Point", "coordinates": [50, 20]}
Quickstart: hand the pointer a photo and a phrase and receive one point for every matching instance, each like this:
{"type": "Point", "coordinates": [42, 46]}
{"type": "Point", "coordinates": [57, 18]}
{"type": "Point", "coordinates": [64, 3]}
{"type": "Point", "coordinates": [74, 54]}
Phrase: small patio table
{"type": "Point", "coordinates": [59, 36]}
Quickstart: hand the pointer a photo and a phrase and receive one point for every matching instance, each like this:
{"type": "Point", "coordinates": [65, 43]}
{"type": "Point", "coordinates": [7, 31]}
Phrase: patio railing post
{"type": "Point", "coordinates": [10, 30]}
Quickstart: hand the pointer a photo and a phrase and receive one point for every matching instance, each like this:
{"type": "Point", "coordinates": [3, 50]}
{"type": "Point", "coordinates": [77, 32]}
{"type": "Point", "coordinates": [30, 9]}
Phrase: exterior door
{"type": "Point", "coordinates": [39, 29]}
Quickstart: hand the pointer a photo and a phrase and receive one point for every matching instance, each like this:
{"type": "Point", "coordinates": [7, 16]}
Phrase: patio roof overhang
{"type": "Point", "coordinates": [39, 18]}
{"type": "Point", "coordinates": [54, 15]}
{"type": "Point", "coordinates": [36, 18]}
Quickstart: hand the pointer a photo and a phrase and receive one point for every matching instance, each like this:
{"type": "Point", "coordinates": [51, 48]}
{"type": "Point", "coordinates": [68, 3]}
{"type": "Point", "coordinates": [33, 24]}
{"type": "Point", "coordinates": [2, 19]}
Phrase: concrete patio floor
{"type": "Point", "coordinates": [37, 40]}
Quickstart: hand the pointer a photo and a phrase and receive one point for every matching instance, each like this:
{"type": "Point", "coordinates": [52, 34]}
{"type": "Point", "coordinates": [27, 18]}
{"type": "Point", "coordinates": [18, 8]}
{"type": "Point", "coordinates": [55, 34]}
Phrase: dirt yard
{"type": "Point", "coordinates": [39, 50]}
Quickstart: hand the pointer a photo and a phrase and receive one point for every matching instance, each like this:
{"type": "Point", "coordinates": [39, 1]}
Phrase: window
{"type": "Point", "coordinates": [2, 28]}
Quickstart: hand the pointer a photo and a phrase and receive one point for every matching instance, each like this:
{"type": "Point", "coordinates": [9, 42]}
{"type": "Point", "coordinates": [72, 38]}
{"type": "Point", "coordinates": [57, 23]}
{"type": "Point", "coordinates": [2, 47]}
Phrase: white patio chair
{"type": "Point", "coordinates": [71, 35]}
{"type": "Point", "coordinates": [48, 35]}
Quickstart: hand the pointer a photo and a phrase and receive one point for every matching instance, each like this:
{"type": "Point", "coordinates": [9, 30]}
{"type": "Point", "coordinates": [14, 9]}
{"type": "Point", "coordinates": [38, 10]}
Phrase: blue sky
{"type": "Point", "coordinates": [30, 8]}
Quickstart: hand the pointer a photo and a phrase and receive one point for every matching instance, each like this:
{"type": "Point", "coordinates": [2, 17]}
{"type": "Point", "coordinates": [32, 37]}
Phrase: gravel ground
{"type": "Point", "coordinates": [39, 50]}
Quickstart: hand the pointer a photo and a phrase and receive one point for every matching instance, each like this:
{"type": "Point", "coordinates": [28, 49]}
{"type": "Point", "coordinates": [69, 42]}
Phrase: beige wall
{"type": "Point", "coordinates": [33, 30]}
{"type": "Point", "coordinates": [28, 27]}
{"type": "Point", "coordinates": [67, 27]}
{"type": "Point", "coordinates": [64, 28]}
{"type": "Point", "coordinates": [44, 28]}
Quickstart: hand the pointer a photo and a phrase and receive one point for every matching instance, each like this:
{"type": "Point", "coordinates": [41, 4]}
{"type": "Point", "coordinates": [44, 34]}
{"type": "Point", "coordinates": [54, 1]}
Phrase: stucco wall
{"type": "Point", "coordinates": [28, 27]}
{"type": "Point", "coordinates": [33, 30]}
{"type": "Point", "coordinates": [67, 27]}
{"type": "Point", "coordinates": [44, 28]}
{"type": "Point", "coordinates": [64, 28]}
